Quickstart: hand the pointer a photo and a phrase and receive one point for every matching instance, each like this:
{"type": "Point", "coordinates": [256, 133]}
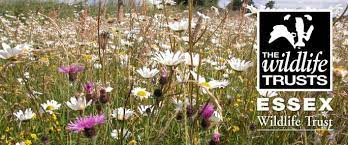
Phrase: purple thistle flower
{"type": "Point", "coordinates": [86, 123]}
{"type": "Point", "coordinates": [215, 139]}
{"type": "Point", "coordinates": [164, 75]}
{"type": "Point", "coordinates": [71, 70]}
{"type": "Point", "coordinates": [89, 86]}
{"type": "Point", "coordinates": [207, 111]}
{"type": "Point", "coordinates": [164, 72]}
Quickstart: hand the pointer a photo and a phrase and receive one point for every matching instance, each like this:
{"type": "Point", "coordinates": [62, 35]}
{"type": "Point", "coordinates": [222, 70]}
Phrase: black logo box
{"type": "Point", "coordinates": [320, 40]}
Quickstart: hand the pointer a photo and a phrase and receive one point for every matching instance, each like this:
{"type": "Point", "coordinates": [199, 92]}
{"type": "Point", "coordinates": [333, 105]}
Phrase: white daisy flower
{"type": "Point", "coordinates": [215, 10]}
{"type": "Point", "coordinates": [180, 104]}
{"type": "Point", "coordinates": [108, 89]}
{"type": "Point", "coordinates": [9, 52]}
{"type": "Point", "coordinates": [180, 26]}
{"type": "Point", "coordinates": [169, 58]}
{"type": "Point", "coordinates": [145, 109]}
{"type": "Point", "coordinates": [216, 117]}
{"type": "Point", "coordinates": [252, 9]}
{"type": "Point", "coordinates": [26, 115]}
{"type": "Point", "coordinates": [78, 103]}
{"type": "Point", "coordinates": [117, 132]}
{"type": "Point", "coordinates": [341, 71]}
{"type": "Point", "coordinates": [20, 143]}
{"type": "Point", "coordinates": [203, 16]}
{"type": "Point", "coordinates": [239, 65]}
{"type": "Point", "coordinates": [50, 105]}
{"type": "Point", "coordinates": [27, 75]}
{"type": "Point", "coordinates": [211, 84]}
{"type": "Point", "coordinates": [182, 77]}
{"type": "Point", "coordinates": [155, 2]}
{"type": "Point", "coordinates": [195, 59]}
{"type": "Point", "coordinates": [141, 93]}
{"type": "Point", "coordinates": [147, 72]}
{"type": "Point", "coordinates": [170, 2]}
{"type": "Point", "coordinates": [97, 66]}
{"type": "Point", "coordinates": [185, 38]}
{"type": "Point", "coordinates": [265, 93]}
{"type": "Point", "coordinates": [122, 113]}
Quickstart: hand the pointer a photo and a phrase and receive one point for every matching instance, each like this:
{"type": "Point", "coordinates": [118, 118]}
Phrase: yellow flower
{"type": "Point", "coordinates": [222, 60]}
{"type": "Point", "coordinates": [54, 117]}
{"type": "Point", "coordinates": [44, 59]}
{"type": "Point", "coordinates": [27, 142]}
{"type": "Point", "coordinates": [322, 131]}
{"type": "Point", "coordinates": [132, 142]}
{"type": "Point", "coordinates": [51, 128]}
{"type": "Point", "coordinates": [33, 136]}
{"type": "Point", "coordinates": [8, 129]}
{"type": "Point", "coordinates": [87, 57]}
{"type": "Point", "coordinates": [21, 134]}
{"type": "Point", "coordinates": [235, 128]}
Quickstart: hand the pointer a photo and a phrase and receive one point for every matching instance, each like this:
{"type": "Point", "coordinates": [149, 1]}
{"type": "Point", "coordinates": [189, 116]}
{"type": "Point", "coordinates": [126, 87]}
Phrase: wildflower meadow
{"type": "Point", "coordinates": [157, 72]}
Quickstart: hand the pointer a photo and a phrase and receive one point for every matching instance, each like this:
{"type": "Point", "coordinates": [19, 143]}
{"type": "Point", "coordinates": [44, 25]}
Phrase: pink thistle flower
{"type": "Point", "coordinates": [164, 76]}
{"type": "Point", "coordinates": [207, 111]}
{"type": "Point", "coordinates": [164, 72]}
{"type": "Point", "coordinates": [215, 139]}
{"type": "Point", "coordinates": [89, 86]}
{"type": "Point", "coordinates": [86, 123]}
{"type": "Point", "coordinates": [71, 70]}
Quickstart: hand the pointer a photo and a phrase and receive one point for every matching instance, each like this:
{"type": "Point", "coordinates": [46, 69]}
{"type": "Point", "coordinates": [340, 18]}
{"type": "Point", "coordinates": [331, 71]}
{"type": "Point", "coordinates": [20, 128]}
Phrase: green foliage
{"type": "Point", "coordinates": [237, 4]}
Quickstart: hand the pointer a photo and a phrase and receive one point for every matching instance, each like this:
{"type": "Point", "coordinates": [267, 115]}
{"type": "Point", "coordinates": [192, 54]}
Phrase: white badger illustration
{"type": "Point", "coordinates": [282, 31]}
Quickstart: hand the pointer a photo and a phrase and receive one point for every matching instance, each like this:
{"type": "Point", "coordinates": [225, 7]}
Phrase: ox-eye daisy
{"type": "Point", "coordinates": [239, 65]}
{"type": "Point", "coordinates": [179, 26]}
{"type": "Point", "coordinates": [145, 109]}
{"type": "Point", "coordinates": [26, 115]}
{"type": "Point", "coordinates": [78, 103]}
{"type": "Point", "coordinates": [267, 93]}
{"type": "Point", "coordinates": [169, 58]}
{"type": "Point", "coordinates": [147, 72]}
{"type": "Point", "coordinates": [50, 105]}
{"type": "Point", "coordinates": [8, 52]}
{"type": "Point", "coordinates": [122, 113]}
{"type": "Point", "coordinates": [141, 93]}
{"type": "Point", "coordinates": [195, 59]}
{"type": "Point", "coordinates": [209, 84]}
{"type": "Point", "coordinates": [117, 132]}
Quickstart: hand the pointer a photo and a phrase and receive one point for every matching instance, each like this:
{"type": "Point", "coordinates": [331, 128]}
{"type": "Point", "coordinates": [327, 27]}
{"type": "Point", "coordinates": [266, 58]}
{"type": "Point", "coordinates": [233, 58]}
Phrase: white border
{"type": "Point", "coordinates": [258, 48]}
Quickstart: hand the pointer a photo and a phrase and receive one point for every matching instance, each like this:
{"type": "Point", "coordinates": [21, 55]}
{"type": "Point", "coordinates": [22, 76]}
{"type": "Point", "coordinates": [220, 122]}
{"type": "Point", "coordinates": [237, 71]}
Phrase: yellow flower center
{"type": "Point", "coordinates": [141, 93]}
{"type": "Point", "coordinates": [49, 107]}
{"type": "Point", "coordinates": [221, 60]}
{"type": "Point", "coordinates": [205, 84]}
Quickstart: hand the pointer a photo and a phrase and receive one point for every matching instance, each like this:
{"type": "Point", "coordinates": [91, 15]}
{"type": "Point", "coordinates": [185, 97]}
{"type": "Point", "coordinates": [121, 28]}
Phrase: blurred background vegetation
{"type": "Point", "coordinates": [64, 9]}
